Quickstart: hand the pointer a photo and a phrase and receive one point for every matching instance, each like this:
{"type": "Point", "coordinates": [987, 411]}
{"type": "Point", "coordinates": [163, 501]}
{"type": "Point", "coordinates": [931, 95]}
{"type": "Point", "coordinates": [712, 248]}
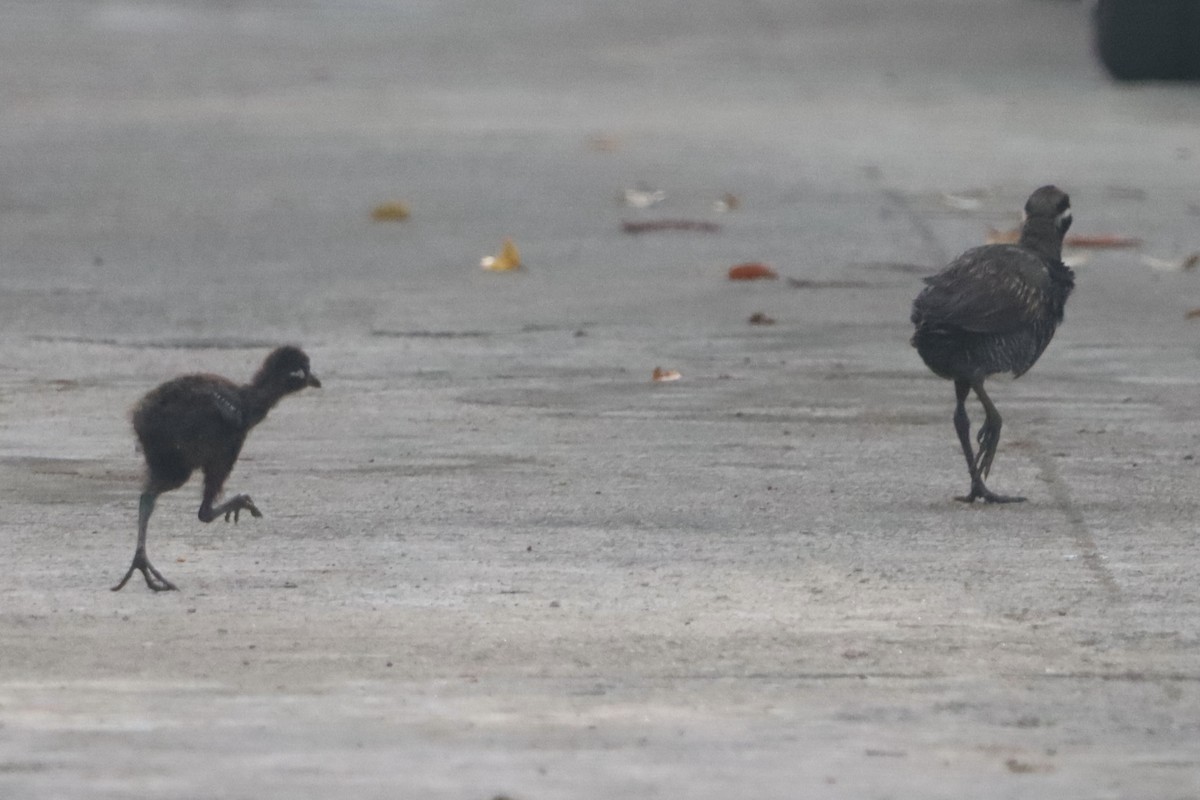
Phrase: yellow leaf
{"type": "Point", "coordinates": [392, 211]}
{"type": "Point", "coordinates": [508, 260]}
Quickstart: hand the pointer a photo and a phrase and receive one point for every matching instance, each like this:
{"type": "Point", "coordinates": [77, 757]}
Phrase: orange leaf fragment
{"type": "Point", "coordinates": [508, 260]}
{"type": "Point", "coordinates": [391, 211]}
{"type": "Point", "coordinates": [751, 271]}
{"type": "Point", "coordinates": [1192, 313]}
{"type": "Point", "coordinates": [1087, 240]}
{"type": "Point", "coordinates": [1099, 240]}
{"type": "Point", "coordinates": [666, 375]}
{"type": "Point", "coordinates": [997, 236]}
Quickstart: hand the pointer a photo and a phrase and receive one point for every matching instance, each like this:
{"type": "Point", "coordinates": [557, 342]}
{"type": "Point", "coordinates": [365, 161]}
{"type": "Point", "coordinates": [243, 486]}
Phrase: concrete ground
{"type": "Point", "coordinates": [497, 560]}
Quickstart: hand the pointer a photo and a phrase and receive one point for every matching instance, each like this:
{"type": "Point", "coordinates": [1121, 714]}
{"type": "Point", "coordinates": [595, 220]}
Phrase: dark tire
{"type": "Point", "coordinates": [1140, 40]}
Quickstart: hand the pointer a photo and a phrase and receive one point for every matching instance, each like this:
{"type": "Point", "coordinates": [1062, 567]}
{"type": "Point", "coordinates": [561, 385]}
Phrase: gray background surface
{"type": "Point", "coordinates": [496, 558]}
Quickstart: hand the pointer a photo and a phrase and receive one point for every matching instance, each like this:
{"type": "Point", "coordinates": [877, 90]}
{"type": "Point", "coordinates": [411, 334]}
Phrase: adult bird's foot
{"type": "Point", "coordinates": [981, 492]}
{"type": "Point", "coordinates": [154, 578]}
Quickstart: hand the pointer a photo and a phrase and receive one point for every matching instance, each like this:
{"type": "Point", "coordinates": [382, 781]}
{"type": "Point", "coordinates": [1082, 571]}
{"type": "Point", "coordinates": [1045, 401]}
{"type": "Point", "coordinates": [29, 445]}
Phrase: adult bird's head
{"type": "Point", "coordinates": [1047, 219]}
{"type": "Point", "coordinates": [286, 370]}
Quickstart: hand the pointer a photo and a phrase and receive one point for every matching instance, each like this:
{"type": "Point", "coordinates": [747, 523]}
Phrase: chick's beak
{"type": "Point", "coordinates": [312, 381]}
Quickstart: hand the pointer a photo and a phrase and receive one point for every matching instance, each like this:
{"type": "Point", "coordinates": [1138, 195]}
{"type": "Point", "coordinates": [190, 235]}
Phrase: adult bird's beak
{"type": "Point", "coordinates": [312, 381]}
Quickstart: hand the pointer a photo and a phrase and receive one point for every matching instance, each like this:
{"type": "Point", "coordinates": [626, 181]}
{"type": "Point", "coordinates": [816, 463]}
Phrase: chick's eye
{"type": "Point", "coordinates": [298, 373]}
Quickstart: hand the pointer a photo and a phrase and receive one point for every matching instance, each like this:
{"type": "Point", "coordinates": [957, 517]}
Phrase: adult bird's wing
{"type": "Point", "coordinates": [991, 289]}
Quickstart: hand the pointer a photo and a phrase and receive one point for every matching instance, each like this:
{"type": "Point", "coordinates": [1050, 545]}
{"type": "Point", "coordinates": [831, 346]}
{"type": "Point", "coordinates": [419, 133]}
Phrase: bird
{"type": "Point", "coordinates": [200, 422]}
{"type": "Point", "coordinates": [994, 309]}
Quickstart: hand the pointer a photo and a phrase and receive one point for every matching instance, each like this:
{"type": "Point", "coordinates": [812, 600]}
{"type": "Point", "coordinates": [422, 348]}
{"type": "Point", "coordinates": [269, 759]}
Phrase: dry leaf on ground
{"type": "Point", "coordinates": [665, 375]}
{"type": "Point", "coordinates": [1101, 240]}
{"type": "Point", "coordinates": [997, 236]}
{"type": "Point", "coordinates": [727, 202]}
{"type": "Point", "coordinates": [1090, 241]}
{"type": "Point", "coordinates": [391, 211]}
{"type": "Point", "coordinates": [508, 260]}
{"type": "Point", "coordinates": [751, 271]}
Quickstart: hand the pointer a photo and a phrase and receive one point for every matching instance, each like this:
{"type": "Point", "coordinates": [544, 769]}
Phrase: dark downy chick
{"type": "Point", "coordinates": [200, 422]}
{"type": "Point", "coordinates": [994, 309]}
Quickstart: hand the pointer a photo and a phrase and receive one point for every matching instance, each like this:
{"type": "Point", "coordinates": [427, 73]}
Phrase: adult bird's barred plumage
{"type": "Point", "coordinates": [994, 309]}
{"type": "Point", "coordinates": [200, 422]}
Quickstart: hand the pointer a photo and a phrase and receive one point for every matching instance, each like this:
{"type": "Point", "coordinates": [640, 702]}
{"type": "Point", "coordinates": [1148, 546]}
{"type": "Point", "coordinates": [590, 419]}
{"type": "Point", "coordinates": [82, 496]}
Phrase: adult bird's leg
{"type": "Point", "coordinates": [989, 431]}
{"type": "Point", "coordinates": [154, 578]}
{"type": "Point", "coordinates": [962, 426]}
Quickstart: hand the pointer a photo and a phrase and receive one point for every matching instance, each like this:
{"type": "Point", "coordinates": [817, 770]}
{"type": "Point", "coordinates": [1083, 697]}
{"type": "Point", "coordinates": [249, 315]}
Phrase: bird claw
{"type": "Point", "coordinates": [154, 578]}
{"type": "Point", "coordinates": [981, 492]}
{"type": "Point", "coordinates": [242, 503]}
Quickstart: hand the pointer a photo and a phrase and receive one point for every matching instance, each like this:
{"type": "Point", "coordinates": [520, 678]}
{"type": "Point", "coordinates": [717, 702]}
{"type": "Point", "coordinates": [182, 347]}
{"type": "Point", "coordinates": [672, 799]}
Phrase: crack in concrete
{"type": "Point", "coordinates": [929, 239]}
{"type": "Point", "coordinates": [1081, 535]}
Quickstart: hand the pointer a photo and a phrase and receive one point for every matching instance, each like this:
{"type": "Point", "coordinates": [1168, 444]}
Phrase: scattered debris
{"type": "Point", "coordinates": [1192, 314]}
{"type": "Point", "coordinates": [642, 196]}
{"type": "Point", "coordinates": [508, 260]}
{"type": "Point", "coordinates": [1076, 259]}
{"type": "Point", "coordinates": [752, 271]}
{"type": "Point", "coordinates": [805, 283]}
{"type": "Point", "coordinates": [759, 318]}
{"type": "Point", "coordinates": [997, 236]}
{"type": "Point", "coordinates": [961, 202]}
{"type": "Point", "coordinates": [727, 202]}
{"type": "Point", "coordinates": [1025, 768]}
{"type": "Point", "coordinates": [653, 226]}
{"type": "Point", "coordinates": [1101, 241]}
{"type": "Point", "coordinates": [1173, 264]}
{"type": "Point", "coordinates": [1084, 241]}
{"type": "Point", "coordinates": [391, 211]}
{"type": "Point", "coordinates": [661, 375]}
{"type": "Point", "coordinates": [1089, 241]}
{"type": "Point", "coordinates": [603, 143]}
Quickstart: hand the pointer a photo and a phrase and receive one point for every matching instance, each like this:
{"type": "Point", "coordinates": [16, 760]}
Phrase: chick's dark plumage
{"type": "Point", "coordinates": [201, 422]}
{"type": "Point", "coordinates": [994, 309]}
